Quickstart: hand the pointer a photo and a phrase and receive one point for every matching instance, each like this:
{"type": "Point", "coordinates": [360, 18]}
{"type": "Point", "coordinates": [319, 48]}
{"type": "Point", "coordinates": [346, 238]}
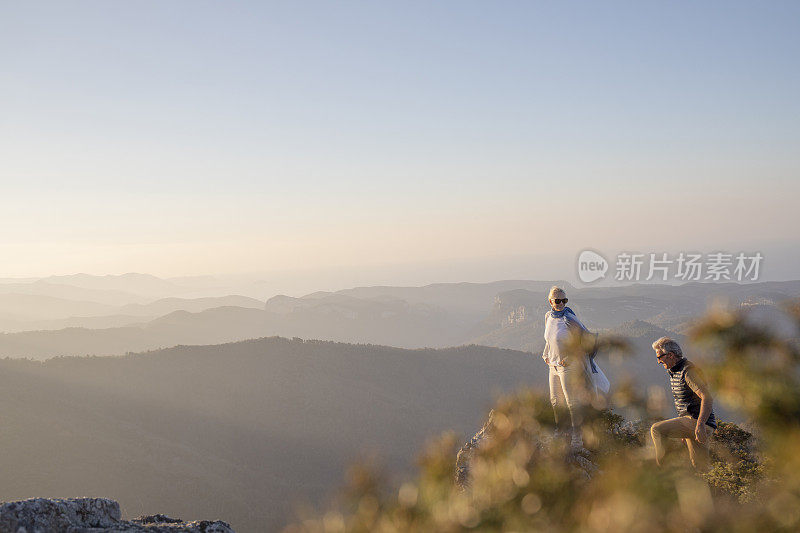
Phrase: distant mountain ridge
{"type": "Point", "coordinates": [194, 305]}
{"type": "Point", "coordinates": [436, 315]}
{"type": "Point", "coordinates": [141, 284]}
{"type": "Point", "coordinates": [472, 299]}
{"type": "Point", "coordinates": [27, 312]}
{"type": "Point", "coordinates": [69, 292]}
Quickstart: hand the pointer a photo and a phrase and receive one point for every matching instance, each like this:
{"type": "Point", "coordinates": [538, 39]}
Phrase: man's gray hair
{"type": "Point", "coordinates": [666, 345]}
{"type": "Point", "coordinates": [554, 289]}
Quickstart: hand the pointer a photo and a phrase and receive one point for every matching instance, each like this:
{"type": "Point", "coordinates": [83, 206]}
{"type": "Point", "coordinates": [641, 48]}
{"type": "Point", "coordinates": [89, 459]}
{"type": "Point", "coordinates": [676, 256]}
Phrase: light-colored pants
{"type": "Point", "coordinates": [682, 427]}
{"type": "Point", "coordinates": [571, 382]}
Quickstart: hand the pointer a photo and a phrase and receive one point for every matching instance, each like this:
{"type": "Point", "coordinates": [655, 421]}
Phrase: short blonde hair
{"type": "Point", "coordinates": [666, 345]}
{"type": "Point", "coordinates": [554, 289]}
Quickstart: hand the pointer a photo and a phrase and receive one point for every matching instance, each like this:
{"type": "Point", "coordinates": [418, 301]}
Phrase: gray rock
{"type": "Point", "coordinates": [464, 457]}
{"type": "Point", "coordinates": [91, 515]}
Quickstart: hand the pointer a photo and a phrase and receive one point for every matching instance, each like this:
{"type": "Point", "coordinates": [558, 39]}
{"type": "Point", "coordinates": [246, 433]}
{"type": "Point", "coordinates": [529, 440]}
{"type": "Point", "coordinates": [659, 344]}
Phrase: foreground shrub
{"type": "Point", "coordinates": [517, 477]}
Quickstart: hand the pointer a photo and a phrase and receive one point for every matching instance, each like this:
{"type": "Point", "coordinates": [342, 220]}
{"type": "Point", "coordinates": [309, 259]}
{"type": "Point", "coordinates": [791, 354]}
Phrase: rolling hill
{"type": "Point", "coordinates": [238, 430]}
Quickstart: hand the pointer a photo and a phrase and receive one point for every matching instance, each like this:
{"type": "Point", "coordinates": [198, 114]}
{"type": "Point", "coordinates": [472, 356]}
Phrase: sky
{"type": "Point", "coordinates": [410, 142]}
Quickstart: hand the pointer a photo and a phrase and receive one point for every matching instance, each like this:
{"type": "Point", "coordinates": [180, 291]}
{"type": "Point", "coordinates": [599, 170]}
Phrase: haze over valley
{"type": "Point", "coordinates": [301, 387]}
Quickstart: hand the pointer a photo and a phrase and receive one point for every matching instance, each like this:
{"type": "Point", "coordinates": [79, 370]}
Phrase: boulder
{"type": "Point", "coordinates": [91, 515]}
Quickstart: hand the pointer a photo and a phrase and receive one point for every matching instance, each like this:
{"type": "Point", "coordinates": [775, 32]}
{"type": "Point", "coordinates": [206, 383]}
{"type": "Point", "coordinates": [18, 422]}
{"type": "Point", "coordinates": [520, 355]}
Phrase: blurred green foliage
{"type": "Point", "coordinates": [520, 478]}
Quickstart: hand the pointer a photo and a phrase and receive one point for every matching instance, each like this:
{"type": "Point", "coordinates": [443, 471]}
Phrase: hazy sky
{"type": "Point", "coordinates": [417, 138]}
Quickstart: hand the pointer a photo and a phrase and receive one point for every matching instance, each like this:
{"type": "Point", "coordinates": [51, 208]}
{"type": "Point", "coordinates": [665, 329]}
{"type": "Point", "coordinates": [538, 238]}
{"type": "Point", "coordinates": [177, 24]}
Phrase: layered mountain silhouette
{"type": "Point", "coordinates": [437, 315]}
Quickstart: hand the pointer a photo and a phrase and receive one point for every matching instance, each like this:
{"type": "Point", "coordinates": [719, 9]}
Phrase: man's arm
{"type": "Point", "coordinates": [695, 380]}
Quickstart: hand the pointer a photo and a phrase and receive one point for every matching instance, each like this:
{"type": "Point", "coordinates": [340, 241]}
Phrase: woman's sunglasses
{"type": "Point", "coordinates": [560, 300]}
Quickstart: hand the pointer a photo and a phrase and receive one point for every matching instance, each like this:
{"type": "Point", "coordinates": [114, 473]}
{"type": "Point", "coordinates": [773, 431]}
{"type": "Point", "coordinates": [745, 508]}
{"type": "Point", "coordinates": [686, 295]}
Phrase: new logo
{"type": "Point", "coordinates": [591, 266]}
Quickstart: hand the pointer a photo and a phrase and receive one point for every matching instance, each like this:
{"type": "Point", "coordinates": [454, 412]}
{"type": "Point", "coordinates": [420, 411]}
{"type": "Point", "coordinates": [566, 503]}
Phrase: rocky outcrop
{"type": "Point", "coordinates": [464, 457]}
{"type": "Point", "coordinates": [91, 515]}
{"type": "Point", "coordinates": [578, 456]}
{"type": "Point", "coordinates": [518, 315]}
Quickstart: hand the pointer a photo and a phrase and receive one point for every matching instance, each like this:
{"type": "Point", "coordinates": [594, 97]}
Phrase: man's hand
{"type": "Point", "coordinates": [698, 385]}
{"type": "Point", "coordinates": [700, 433]}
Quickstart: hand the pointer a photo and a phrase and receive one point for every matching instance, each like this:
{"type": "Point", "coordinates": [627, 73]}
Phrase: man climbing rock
{"type": "Point", "coordinates": [695, 422]}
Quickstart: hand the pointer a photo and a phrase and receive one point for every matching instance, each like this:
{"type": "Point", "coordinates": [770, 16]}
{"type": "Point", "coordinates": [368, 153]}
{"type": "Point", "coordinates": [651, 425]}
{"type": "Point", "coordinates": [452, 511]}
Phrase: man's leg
{"type": "Point", "coordinates": [678, 427]}
{"type": "Point", "coordinates": [698, 453]}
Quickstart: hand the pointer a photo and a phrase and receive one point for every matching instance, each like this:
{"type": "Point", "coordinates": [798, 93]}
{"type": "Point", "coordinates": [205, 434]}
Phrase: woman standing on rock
{"type": "Point", "coordinates": [564, 355]}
